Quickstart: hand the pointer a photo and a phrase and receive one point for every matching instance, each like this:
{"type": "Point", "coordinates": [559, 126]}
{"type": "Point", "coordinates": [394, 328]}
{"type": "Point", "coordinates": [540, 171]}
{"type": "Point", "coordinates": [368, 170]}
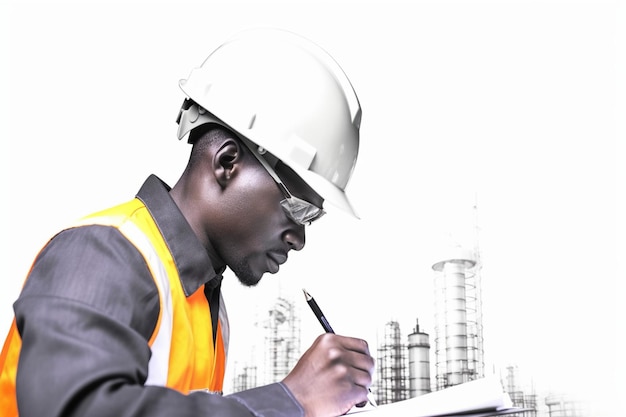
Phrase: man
{"type": "Point", "coordinates": [121, 313]}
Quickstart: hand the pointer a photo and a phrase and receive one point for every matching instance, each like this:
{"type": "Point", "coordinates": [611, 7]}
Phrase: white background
{"type": "Point", "coordinates": [515, 105]}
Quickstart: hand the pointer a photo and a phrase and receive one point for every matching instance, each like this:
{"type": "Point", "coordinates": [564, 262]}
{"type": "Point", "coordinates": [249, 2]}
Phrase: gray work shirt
{"type": "Point", "coordinates": [86, 312]}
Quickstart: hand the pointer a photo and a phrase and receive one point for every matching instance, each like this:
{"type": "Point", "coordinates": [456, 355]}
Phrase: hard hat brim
{"type": "Point", "coordinates": [332, 194]}
{"type": "Point", "coordinates": [329, 192]}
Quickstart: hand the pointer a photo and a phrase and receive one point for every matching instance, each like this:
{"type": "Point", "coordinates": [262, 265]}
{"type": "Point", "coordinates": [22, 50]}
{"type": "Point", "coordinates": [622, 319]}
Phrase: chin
{"type": "Point", "coordinates": [248, 278]}
{"type": "Point", "coordinates": [246, 275]}
{"type": "Point", "coordinates": [249, 283]}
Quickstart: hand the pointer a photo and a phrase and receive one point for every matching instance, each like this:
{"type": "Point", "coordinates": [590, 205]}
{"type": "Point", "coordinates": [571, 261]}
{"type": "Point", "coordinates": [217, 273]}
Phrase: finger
{"type": "Point", "coordinates": [355, 344]}
{"type": "Point", "coordinates": [361, 378]}
{"type": "Point", "coordinates": [360, 361]}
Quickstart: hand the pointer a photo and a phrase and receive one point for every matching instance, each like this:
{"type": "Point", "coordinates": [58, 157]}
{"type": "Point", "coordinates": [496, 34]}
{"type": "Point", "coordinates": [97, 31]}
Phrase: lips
{"type": "Point", "coordinates": [274, 260]}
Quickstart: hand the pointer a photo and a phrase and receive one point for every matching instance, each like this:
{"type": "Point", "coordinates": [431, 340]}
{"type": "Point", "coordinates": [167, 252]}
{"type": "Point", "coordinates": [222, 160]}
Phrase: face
{"type": "Point", "coordinates": [261, 235]}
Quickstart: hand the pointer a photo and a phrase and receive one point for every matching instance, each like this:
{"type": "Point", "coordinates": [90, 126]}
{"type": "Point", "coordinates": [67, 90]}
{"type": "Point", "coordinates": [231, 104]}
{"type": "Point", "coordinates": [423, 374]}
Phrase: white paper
{"type": "Point", "coordinates": [482, 397]}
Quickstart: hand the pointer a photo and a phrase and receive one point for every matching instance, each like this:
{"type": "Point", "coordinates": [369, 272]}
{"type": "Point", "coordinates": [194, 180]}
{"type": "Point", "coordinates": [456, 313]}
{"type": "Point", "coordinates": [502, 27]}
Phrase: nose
{"type": "Point", "coordinates": [295, 238]}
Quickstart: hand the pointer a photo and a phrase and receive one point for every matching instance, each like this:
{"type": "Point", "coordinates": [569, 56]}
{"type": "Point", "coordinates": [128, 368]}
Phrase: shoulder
{"type": "Point", "coordinates": [98, 266]}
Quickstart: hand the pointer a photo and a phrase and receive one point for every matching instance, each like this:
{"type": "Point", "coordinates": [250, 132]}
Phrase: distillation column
{"type": "Point", "coordinates": [419, 363]}
{"type": "Point", "coordinates": [455, 361]}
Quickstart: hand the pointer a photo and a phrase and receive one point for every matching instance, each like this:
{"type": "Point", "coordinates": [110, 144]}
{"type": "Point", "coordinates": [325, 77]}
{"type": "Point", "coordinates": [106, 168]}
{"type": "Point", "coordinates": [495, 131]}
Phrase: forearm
{"type": "Point", "coordinates": [88, 364]}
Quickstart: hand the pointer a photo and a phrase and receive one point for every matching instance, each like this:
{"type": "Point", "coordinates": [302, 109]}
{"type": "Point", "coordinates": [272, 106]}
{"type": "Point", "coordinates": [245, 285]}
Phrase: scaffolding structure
{"type": "Point", "coordinates": [519, 398]}
{"type": "Point", "coordinates": [560, 405]}
{"type": "Point", "coordinates": [391, 367]}
{"type": "Point", "coordinates": [245, 379]}
{"type": "Point", "coordinates": [458, 319]}
{"type": "Point", "coordinates": [282, 341]}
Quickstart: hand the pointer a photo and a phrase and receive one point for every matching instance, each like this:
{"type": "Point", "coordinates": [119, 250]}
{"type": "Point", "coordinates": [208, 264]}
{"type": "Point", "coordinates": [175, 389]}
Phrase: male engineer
{"type": "Point", "coordinates": [121, 313]}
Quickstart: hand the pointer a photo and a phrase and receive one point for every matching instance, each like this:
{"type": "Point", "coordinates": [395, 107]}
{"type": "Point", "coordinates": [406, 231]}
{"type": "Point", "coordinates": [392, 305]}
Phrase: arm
{"type": "Point", "coordinates": [84, 316]}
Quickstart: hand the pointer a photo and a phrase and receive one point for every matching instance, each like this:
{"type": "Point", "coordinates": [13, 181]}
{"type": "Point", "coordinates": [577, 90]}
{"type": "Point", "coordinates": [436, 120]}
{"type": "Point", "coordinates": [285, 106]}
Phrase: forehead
{"type": "Point", "coordinates": [297, 186]}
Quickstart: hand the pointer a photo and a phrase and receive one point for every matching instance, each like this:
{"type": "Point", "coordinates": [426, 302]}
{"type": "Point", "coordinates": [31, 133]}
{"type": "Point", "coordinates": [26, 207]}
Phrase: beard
{"type": "Point", "coordinates": [241, 268]}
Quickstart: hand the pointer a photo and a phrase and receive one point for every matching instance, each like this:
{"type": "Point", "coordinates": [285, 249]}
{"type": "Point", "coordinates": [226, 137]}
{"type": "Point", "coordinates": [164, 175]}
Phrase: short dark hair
{"type": "Point", "coordinates": [203, 136]}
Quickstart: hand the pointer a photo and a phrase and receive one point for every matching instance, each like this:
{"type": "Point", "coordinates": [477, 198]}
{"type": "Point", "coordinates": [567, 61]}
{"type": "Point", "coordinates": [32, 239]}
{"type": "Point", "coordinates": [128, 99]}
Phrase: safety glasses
{"type": "Point", "coordinates": [300, 211]}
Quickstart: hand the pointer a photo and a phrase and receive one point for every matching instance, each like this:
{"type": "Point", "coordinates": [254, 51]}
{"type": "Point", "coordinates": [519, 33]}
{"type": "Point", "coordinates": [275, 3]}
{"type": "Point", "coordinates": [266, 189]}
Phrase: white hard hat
{"type": "Point", "coordinates": [287, 95]}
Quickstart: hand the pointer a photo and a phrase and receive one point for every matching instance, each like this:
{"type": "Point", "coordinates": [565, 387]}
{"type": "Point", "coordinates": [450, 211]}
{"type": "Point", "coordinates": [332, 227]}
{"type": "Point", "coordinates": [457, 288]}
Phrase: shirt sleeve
{"type": "Point", "coordinates": [84, 315]}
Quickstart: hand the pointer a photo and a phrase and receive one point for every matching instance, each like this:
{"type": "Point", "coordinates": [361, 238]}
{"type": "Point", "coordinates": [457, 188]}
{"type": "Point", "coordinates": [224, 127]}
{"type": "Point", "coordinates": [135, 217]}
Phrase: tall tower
{"type": "Point", "coordinates": [519, 398]}
{"type": "Point", "coordinates": [512, 387]}
{"type": "Point", "coordinates": [458, 320]}
{"type": "Point", "coordinates": [282, 340]}
{"type": "Point", "coordinates": [392, 366]}
{"type": "Point", "coordinates": [419, 362]}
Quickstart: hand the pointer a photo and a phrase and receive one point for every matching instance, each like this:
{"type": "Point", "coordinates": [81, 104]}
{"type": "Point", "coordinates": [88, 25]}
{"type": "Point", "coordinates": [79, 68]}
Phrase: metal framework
{"type": "Point", "coordinates": [282, 340]}
{"type": "Point", "coordinates": [392, 386]}
{"type": "Point", "coordinates": [458, 319]}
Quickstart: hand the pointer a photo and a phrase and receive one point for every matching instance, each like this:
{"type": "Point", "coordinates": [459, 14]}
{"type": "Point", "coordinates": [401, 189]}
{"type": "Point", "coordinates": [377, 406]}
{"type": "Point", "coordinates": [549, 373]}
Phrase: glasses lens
{"type": "Point", "coordinates": [300, 211]}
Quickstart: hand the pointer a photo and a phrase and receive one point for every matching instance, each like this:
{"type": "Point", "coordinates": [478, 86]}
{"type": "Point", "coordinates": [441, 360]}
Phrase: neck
{"type": "Point", "coordinates": [194, 217]}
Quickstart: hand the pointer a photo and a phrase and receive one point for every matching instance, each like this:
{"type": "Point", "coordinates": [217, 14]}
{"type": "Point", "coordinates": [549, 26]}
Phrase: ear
{"type": "Point", "coordinates": [226, 161]}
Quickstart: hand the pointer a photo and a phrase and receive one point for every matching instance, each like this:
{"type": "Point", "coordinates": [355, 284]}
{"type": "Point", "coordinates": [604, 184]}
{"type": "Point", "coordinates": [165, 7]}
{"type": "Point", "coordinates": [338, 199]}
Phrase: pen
{"type": "Point", "coordinates": [318, 312]}
{"type": "Point", "coordinates": [326, 325]}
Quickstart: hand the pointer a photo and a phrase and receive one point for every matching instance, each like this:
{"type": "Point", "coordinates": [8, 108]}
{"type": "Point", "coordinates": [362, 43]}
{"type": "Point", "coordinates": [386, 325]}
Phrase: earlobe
{"type": "Point", "coordinates": [226, 162]}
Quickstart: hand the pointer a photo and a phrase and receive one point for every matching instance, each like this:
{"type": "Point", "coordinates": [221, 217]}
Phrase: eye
{"type": "Point", "coordinates": [297, 186]}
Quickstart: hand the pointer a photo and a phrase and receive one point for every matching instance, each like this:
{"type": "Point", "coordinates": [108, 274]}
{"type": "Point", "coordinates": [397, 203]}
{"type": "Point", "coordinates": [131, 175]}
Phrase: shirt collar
{"type": "Point", "coordinates": [190, 257]}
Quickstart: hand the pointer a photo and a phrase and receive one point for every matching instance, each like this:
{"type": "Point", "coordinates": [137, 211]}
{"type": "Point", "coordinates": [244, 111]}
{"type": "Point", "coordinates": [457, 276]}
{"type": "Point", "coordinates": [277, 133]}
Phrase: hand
{"type": "Point", "coordinates": [332, 376]}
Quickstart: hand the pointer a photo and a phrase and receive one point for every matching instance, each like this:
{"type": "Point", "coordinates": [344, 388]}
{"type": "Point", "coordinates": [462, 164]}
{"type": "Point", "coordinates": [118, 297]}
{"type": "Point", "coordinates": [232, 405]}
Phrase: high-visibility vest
{"type": "Point", "coordinates": [184, 356]}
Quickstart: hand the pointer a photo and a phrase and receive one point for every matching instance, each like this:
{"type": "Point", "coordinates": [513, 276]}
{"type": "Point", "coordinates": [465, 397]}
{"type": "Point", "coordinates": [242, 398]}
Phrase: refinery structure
{"type": "Point", "coordinates": [278, 333]}
{"type": "Point", "coordinates": [415, 364]}
{"type": "Point", "coordinates": [419, 363]}
{"type": "Point", "coordinates": [423, 361]}
{"type": "Point", "coordinates": [458, 319]}
{"type": "Point", "coordinates": [404, 367]}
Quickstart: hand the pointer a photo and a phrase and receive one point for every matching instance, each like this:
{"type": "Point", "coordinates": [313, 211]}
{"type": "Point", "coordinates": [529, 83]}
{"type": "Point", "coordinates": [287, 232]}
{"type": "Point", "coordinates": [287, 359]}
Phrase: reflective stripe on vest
{"type": "Point", "coordinates": [161, 339]}
{"type": "Point", "coordinates": [183, 355]}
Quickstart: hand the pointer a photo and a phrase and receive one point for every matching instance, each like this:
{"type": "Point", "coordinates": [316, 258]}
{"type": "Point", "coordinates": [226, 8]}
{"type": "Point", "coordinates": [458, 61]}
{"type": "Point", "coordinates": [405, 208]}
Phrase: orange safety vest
{"type": "Point", "coordinates": [183, 354]}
